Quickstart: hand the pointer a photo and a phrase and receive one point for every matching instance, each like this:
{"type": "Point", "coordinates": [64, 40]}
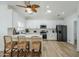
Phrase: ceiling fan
{"type": "Point", "coordinates": [32, 7]}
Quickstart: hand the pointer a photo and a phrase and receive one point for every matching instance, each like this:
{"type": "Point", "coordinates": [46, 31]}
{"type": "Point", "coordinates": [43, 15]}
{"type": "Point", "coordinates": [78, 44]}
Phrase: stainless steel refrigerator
{"type": "Point", "coordinates": [61, 33]}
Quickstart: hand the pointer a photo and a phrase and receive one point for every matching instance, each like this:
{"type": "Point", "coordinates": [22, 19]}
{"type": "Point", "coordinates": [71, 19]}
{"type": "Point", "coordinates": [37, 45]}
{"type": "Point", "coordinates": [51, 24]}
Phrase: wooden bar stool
{"type": "Point", "coordinates": [27, 47]}
{"type": "Point", "coordinates": [22, 46]}
{"type": "Point", "coordinates": [15, 48]}
{"type": "Point", "coordinates": [36, 46]}
{"type": "Point", "coordinates": [7, 46]}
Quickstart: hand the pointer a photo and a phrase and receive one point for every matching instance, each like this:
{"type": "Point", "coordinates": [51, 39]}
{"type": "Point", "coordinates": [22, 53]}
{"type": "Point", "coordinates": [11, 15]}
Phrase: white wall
{"type": "Point", "coordinates": [5, 22]}
{"type": "Point", "coordinates": [18, 20]}
{"type": "Point", "coordinates": [70, 24]}
{"type": "Point", "coordinates": [78, 29]}
{"type": "Point", "coordinates": [5, 19]}
{"type": "Point", "coordinates": [35, 23]}
{"type": "Point", "coordinates": [78, 35]}
{"type": "Point", "coordinates": [69, 21]}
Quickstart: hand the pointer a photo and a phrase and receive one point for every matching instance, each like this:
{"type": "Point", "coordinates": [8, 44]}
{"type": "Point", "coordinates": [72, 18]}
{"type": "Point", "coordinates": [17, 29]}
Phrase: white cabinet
{"type": "Point", "coordinates": [51, 36]}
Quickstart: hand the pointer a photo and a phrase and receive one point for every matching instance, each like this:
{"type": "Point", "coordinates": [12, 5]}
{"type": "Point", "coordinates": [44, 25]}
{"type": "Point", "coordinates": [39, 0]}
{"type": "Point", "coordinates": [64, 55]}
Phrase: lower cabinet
{"type": "Point", "coordinates": [51, 37]}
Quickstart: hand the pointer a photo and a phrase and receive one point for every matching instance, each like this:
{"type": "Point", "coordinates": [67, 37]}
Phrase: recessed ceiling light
{"type": "Point", "coordinates": [49, 11]}
{"type": "Point", "coordinates": [63, 13]}
{"type": "Point", "coordinates": [47, 6]}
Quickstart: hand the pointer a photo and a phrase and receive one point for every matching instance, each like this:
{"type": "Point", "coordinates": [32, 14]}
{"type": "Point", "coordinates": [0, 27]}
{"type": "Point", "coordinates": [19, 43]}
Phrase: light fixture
{"type": "Point", "coordinates": [47, 6]}
{"type": "Point", "coordinates": [63, 13]}
{"type": "Point", "coordinates": [49, 11]}
{"type": "Point", "coordinates": [29, 7]}
{"type": "Point", "coordinates": [29, 10]}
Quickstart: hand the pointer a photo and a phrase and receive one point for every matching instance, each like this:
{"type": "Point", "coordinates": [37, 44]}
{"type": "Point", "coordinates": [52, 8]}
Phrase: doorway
{"type": "Point", "coordinates": [75, 34]}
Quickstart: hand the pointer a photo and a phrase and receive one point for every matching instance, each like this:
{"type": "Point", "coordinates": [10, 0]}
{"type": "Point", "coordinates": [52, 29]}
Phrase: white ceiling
{"type": "Point", "coordinates": [60, 9]}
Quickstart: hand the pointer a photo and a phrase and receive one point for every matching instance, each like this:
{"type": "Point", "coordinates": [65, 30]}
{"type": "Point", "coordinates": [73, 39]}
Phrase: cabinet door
{"type": "Point", "coordinates": [52, 36]}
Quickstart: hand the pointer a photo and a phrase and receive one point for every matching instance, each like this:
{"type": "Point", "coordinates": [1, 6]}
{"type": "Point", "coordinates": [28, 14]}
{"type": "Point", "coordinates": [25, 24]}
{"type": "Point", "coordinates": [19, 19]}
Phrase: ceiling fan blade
{"type": "Point", "coordinates": [35, 6]}
{"type": "Point", "coordinates": [21, 6]}
{"type": "Point", "coordinates": [34, 9]}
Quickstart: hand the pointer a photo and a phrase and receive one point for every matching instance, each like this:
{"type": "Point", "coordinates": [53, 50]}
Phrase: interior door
{"type": "Point", "coordinates": [75, 34]}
